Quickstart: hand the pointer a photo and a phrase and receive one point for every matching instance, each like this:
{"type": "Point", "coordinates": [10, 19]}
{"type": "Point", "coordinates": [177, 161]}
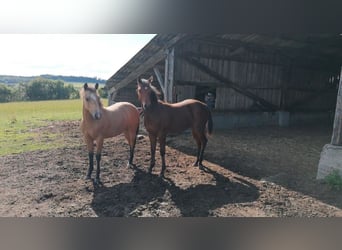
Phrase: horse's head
{"type": "Point", "coordinates": [91, 101]}
{"type": "Point", "coordinates": [147, 93]}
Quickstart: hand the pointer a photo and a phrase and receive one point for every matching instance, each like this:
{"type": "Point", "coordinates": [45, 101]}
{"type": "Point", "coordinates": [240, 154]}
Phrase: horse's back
{"type": "Point", "coordinates": [187, 102]}
{"type": "Point", "coordinates": [123, 107]}
{"type": "Point", "coordinates": [125, 113]}
{"type": "Point", "coordinates": [186, 114]}
{"type": "Point", "coordinates": [192, 107]}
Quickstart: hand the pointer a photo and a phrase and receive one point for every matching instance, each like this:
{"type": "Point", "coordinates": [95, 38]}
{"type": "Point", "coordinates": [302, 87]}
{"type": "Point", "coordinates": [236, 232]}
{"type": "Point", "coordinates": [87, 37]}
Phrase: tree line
{"type": "Point", "coordinates": [11, 80]}
{"type": "Point", "coordinates": [40, 89]}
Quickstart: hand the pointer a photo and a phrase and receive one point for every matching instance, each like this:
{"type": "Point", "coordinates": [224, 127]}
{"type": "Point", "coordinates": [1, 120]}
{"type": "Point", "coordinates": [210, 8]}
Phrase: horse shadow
{"type": "Point", "coordinates": [149, 191]}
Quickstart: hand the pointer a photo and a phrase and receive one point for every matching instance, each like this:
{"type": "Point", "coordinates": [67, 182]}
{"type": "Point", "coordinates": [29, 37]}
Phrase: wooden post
{"type": "Point", "coordinates": [159, 78]}
{"type": "Point", "coordinates": [169, 75]}
{"type": "Point", "coordinates": [111, 95]}
{"type": "Point", "coordinates": [336, 138]}
{"type": "Point", "coordinates": [284, 87]}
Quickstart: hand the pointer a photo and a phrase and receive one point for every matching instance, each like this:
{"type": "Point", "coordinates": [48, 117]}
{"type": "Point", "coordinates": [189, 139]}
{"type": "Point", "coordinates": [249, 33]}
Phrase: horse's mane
{"type": "Point", "coordinates": [154, 95]}
{"type": "Point", "coordinates": [82, 93]}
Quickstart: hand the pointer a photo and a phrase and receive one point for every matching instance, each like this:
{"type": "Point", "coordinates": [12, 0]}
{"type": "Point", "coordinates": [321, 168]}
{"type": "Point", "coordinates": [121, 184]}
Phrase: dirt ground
{"type": "Point", "coordinates": [267, 172]}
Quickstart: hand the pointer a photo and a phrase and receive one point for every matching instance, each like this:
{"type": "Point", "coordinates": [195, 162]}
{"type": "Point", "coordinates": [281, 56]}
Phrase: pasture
{"type": "Point", "coordinates": [248, 172]}
{"type": "Point", "coordinates": [20, 123]}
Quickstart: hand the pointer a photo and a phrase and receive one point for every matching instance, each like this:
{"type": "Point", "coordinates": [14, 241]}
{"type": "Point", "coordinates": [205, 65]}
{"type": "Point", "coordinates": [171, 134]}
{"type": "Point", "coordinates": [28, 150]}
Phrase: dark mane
{"type": "Point", "coordinates": [154, 95]}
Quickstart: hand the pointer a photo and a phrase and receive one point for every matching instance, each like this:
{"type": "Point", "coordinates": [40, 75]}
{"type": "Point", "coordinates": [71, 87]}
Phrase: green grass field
{"type": "Point", "coordinates": [20, 120]}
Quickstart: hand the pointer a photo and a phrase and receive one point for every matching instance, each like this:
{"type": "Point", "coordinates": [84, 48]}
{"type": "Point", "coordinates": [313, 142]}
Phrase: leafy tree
{"type": "Point", "coordinates": [45, 89]}
{"type": "Point", "coordinates": [19, 92]}
{"type": "Point", "coordinates": [5, 93]}
{"type": "Point", "coordinates": [103, 92]}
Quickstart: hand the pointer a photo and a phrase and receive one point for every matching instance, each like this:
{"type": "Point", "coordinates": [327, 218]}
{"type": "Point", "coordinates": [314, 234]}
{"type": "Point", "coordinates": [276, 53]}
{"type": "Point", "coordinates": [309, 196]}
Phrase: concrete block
{"type": "Point", "coordinates": [284, 119]}
{"type": "Point", "coordinates": [331, 159]}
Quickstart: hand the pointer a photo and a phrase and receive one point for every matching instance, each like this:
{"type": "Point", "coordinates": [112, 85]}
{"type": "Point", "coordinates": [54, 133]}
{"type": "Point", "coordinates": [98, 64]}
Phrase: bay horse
{"type": "Point", "coordinates": [101, 122]}
{"type": "Point", "coordinates": [162, 118]}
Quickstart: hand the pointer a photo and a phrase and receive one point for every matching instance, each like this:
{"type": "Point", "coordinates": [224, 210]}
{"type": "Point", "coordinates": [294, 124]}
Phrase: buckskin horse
{"type": "Point", "coordinates": [101, 122]}
{"type": "Point", "coordinates": [162, 118]}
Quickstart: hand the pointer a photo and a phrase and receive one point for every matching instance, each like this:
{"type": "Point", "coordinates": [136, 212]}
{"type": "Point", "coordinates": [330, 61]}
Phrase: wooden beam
{"type": "Point", "coordinates": [336, 138]}
{"type": "Point", "coordinates": [140, 70]}
{"type": "Point", "coordinates": [197, 83]}
{"type": "Point", "coordinates": [260, 101]}
{"type": "Point", "coordinates": [169, 75]}
{"type": "Point", "coordinates": [303, 57]}
{"type": "Point", "coordinates": [236, 58]}
{"type": "Point", "coordinates": [144, 66]}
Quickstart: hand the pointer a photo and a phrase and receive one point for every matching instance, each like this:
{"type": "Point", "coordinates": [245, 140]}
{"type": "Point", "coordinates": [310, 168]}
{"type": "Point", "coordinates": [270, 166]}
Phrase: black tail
{"type": "Point", "coordinates": [210, 124]}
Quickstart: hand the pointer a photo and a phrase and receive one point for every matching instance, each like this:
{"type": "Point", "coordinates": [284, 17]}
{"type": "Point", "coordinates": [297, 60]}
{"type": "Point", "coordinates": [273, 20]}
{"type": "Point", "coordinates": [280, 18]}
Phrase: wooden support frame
{"type": "Point", "coordinates": [260, 101]}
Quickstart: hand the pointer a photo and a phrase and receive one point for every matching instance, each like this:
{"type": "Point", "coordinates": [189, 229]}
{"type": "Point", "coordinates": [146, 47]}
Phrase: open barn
{"type": "Point", "coordinates": [278, 102]}
{"type": "Point", "coordinates": [256, 80]}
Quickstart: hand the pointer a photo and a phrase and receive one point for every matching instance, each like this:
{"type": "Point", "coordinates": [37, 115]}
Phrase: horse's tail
{"type": "Point", "coordinates": [210, 124]}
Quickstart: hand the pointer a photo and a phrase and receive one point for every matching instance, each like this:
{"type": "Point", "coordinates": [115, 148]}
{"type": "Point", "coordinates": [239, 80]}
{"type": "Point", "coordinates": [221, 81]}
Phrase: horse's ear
{"type": "Point", "coordinates": [85, 86]}
{"type": "Point", "coordinates": [139, 82]}
{"type": "Point", "coordinates": [150, 80]}
{"type": "Point", "coordinates": [96, 86]}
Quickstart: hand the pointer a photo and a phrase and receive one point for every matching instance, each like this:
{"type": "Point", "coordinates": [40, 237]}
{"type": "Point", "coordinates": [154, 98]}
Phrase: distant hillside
{"type": "Point", "coordinates": [8, 79]}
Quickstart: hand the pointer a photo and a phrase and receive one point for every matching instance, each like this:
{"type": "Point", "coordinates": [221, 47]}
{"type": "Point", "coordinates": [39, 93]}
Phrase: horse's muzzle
{"type": "Point", "coordinates": [97, 116]}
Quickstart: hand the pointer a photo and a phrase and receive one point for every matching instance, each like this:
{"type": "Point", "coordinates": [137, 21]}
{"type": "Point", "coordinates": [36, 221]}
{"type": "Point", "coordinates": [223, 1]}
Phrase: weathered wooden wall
{"type": "Point", "coordinates": [271, 76]}
{"type": "Point", "coordinates": [183, 92]}
{"type": "Point", "coordinates": [258, 74]}
{"type": "Point", "coordinates": [127, 94]}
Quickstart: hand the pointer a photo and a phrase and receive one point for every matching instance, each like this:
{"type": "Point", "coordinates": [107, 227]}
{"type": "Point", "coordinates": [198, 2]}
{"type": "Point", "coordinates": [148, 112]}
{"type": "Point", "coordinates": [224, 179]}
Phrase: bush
{"type": "Point", "coordinates": [334, 180]}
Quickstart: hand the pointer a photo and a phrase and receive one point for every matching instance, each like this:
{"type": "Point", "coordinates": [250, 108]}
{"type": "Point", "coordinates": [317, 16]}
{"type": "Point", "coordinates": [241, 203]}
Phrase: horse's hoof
{"type": "Point", "coordinates": [88, 177]}
{"type": "Point", "coordinates": [130, 165]}
{"type": "Point", "coordinates": [97, 182]}
{"type": "Point", "coordinates": [201, 166]}
{"type": "Point", "coordinates": [195, 164]}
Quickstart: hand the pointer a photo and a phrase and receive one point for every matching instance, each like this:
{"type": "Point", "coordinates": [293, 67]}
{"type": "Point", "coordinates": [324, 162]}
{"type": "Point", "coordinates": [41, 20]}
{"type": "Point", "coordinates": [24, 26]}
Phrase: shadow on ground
{"type": "Point", "coordinates": [149, 195]}
{"type": "Point", "coordinates": [285, 156]}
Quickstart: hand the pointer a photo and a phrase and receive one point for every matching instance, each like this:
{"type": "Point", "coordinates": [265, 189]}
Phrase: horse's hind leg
{"type": "Point", "coordinates": [198, 142]}
{"type": "Point", "coordinates": [204, 142]}
{"type": "Point", "coordinates": [201, 141]}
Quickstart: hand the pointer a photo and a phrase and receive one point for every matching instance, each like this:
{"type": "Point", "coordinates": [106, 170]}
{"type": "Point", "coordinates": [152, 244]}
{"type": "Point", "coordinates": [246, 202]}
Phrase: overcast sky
{"type": "Point", "coordinates": [93, 55]}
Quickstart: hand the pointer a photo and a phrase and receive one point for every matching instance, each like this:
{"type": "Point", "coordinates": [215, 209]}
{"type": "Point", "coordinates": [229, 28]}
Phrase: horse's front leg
{"type": "Point", "coordinates": [153, 142]}
{"type": "Point", "coordinates": [90, 148]}
{"type": "Point", "coordinates": [162, 142]}
{"type": "Point", "coordinates": [99, 145]}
